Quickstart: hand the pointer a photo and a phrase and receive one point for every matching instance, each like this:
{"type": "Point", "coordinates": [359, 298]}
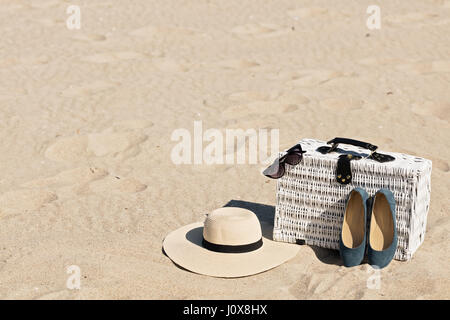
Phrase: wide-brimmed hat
{"type": "Point", "coordinates": [229, 243]}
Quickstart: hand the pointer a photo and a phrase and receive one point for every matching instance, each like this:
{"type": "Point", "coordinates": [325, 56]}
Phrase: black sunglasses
{"type": "Point", "coordinates": [293, 157]}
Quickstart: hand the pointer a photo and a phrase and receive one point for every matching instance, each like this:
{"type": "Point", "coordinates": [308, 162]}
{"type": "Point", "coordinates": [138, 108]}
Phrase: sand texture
{"type": "Point", "coordinates": [86, 118]}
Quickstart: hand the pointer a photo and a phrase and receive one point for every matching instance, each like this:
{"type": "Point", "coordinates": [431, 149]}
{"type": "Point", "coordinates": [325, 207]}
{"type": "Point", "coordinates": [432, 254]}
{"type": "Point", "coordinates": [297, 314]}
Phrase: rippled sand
{"type": "Point", "coordinates": [86, 118]}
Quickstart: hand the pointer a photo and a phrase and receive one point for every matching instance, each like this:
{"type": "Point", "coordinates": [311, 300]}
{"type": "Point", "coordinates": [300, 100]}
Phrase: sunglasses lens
{"type": "Point", "coordinates": [294, 158]}
{"type": "Point", "coordinates": [275, 171]}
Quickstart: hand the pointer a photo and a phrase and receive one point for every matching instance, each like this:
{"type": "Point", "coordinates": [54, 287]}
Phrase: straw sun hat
{"type": "Point", "coordinates": [230, 243]}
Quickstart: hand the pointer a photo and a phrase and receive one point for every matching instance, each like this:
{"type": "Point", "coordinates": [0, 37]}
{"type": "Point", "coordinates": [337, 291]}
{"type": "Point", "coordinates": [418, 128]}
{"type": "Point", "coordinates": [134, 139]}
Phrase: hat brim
{"type": "Point", "coordinates": [184, 247]}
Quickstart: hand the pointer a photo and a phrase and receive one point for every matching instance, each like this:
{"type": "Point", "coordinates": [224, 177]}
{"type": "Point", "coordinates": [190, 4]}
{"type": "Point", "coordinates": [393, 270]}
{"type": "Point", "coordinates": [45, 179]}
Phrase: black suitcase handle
{"type": "Point", "coordinates": [336, 141]}
{"type": "Point", "coordinates": [372, 148]}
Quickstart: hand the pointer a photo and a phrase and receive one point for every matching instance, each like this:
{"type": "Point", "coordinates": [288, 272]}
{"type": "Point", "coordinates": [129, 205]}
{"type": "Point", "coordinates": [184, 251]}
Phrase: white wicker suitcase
{"type": "Point", "coordinates": [311, 203]}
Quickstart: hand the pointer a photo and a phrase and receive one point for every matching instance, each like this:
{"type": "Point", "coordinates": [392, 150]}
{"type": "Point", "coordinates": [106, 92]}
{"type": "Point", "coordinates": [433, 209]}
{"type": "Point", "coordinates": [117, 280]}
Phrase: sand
{"type": "Point", "coordinates": [87, 116]}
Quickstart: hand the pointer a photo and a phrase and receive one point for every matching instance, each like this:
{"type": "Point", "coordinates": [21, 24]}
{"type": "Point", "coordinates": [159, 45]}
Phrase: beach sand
{"type": "Point", "coordinates": [87, 115]}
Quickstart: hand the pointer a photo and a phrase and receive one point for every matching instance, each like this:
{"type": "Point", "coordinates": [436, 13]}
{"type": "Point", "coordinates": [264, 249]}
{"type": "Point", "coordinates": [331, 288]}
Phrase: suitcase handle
{"type": "Point", "coordinates": [336, 141]}
{"type": "Point", "coordinates": [373, 154]}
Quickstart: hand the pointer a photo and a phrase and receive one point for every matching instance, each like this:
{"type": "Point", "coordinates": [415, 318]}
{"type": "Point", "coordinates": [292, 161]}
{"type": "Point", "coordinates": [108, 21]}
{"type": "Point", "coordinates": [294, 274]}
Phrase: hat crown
{"type": "Point", "coordinates": [232, 226]}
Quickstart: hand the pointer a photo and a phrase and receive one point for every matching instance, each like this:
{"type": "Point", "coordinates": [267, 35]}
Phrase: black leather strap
{"type": "Point", "coordinates": [343, 170]}
{"type": "Point", "coordinates": [232, 249]}
{"type": "Point", "coordinates": [381, 157]}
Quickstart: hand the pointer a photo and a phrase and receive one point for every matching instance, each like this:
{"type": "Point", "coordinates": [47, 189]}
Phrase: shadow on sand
{"type": "Point", "coordinates": [266, 215]}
